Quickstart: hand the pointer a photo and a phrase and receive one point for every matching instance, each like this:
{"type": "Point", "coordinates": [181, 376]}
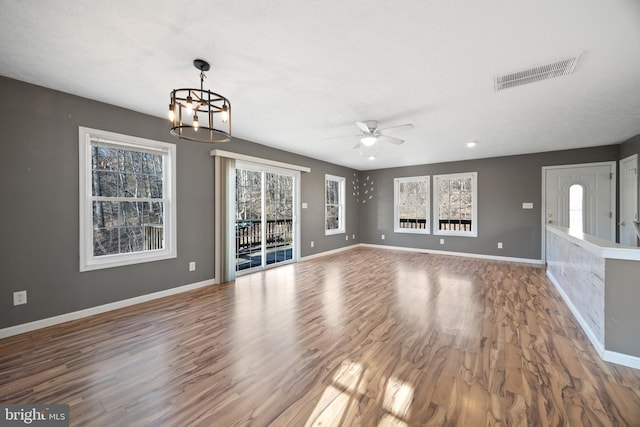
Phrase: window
{"type": "Point", "coordinates": [334, 188]}
{"type": "Point", "coordinates": [127, 209]}
{"type": "Point", "coordinates": [576, 211]}
{"type": "Point", "coordinates": [411, 213]}
{"type": "Point", "coordinates": [455, 204]}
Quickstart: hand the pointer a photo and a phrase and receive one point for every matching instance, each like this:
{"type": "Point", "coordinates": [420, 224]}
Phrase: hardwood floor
{"type": "Point", "coordinates": [366, 337]}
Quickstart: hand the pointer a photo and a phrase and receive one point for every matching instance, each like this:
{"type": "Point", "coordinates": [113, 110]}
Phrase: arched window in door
{"type": "Point", "coordinates": [576, 208]}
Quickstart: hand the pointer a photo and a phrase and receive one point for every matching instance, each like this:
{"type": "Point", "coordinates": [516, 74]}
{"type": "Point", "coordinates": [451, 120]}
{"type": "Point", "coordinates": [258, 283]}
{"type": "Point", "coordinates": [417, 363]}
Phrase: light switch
{"type": "Point", "coordinates": [527, 205]}
{"type": "Point", "coordinates": [304, 206]}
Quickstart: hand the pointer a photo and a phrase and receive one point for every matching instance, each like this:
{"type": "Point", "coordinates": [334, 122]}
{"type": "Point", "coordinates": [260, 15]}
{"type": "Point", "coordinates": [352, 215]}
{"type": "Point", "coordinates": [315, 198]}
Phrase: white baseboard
{"type": "Point", "coordinates": [75, 315]}
{"type": "Point", "coordinates": [461, 254]}
{"type": "Point", "coordinates": [333, 251]}
{"type": "Point", "coordinates": [621, 359]}
{"type": "Point", "coordinates": [606, 355]}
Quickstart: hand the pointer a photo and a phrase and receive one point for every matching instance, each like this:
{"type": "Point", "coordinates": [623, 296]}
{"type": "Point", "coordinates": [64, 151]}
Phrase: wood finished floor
{"type": "Point", "coordinates": [366, 337]}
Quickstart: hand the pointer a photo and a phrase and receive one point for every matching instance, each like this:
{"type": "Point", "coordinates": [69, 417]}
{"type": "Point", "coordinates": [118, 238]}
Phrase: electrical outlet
{"type": "Point", "coordinates": [347, 236]}
{"type": "Point", "coordinates": [353, 236]}
{"type": "Point", "coordinates": [19, 297]}
{"type": "Point", "coordinates": [192, 266]}
{"type": "Point", "coordinates": [312, 244]}
{"type": "Point", "coordinates": [499, 245]}
{"type": "Point", "coordinates": [442, 241]}
{"type": "Point", "coordinates": [382, 237]}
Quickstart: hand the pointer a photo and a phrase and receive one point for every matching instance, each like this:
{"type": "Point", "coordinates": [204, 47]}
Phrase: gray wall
{"type": "Point", "coordinates": [504, 183]}
{"type": "Point", "coordinates": [39, 213]}
{"type": "Point", "coordinates": [630, 147]}
{"type": "Point", "coordinates": [622, 316]}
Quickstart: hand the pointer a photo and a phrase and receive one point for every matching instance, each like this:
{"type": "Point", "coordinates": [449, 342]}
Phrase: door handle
{"type": "Point", "coordinates": [621, 224]}
{"type": "Point", "coordinates": [549, 222]}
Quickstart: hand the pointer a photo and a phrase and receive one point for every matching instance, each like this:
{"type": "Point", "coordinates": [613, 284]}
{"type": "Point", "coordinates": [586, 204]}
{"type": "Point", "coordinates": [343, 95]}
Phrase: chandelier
{"type": "Point", "coordinates": [198, 114]}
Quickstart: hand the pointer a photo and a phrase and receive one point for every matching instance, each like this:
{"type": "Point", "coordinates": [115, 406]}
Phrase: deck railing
{"type": "Point", "coordinates": [454, 224]}
{"type": "Point", "coordinates": [414, 224]}
{"type": "Point", "coordinates": [153, 236]}
{"type": "Point", "coordinates": [443, 224]}
{"type": "Point", "coordinates": [249, 234]}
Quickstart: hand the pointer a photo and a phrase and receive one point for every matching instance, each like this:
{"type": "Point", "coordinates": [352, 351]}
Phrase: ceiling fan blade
{"type": "Point", "coordinates": [405, 126]}
{"type": "Point", "coordinates": [363, 127]}
{"type": "Point", "coordinates": [391, 139]}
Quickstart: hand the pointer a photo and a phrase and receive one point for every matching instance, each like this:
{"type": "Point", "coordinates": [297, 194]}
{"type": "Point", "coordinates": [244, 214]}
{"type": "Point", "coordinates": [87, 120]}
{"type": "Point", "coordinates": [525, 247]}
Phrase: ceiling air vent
{"type": "Point", "coordinates": [543, 72]}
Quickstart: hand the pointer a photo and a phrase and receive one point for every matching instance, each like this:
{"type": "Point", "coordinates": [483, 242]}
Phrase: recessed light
{"type": "Point", "coordinates": [372, 157]}
{"type": "Point", "coordinates": [472, 144]}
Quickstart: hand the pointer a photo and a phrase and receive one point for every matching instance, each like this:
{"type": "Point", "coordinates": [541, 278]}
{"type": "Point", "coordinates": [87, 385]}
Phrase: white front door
{"type": "Point", "coordinates": [582, 197]}
{"type": "Point", "coordinates": [628, 200]}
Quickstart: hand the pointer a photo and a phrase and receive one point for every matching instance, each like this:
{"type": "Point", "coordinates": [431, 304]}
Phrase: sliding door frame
{"type": "Point", "coordinates": [295, 174]}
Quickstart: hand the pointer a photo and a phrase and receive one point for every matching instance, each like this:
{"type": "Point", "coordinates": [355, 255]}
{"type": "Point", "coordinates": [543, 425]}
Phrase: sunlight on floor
{"type": "Point", "coordinates": [338, 404]}
{"type": "Point", "coordinates": [398, 397]}
{"type": "Point", "coordinates": [333, 299]}
{"type": "Point", "coordinates": [336, 400]}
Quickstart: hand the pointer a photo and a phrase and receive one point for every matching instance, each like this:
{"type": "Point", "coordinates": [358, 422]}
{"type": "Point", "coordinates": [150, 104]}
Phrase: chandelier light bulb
{"type": "Point", "coordinates": [172, 113]}
{"type": "Point", "coordinates": [189, 105]}
{"type": "Point", "coordinates": [225, 114]}
{"type": "Point", "coordinates": [195, 122]}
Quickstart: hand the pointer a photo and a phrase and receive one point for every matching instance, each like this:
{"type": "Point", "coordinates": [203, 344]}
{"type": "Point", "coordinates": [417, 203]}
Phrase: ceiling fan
{"type": "Point", "coordinates": [372, 134]}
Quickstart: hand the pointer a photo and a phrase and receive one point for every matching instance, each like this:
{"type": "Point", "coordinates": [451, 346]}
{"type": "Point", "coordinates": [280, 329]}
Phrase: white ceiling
{"type": "Point", "coordinates": [299, 74]}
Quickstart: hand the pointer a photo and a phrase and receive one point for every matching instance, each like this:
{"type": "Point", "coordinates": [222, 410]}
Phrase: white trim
{"type": "Point", "coordinates": [396, 205]}
{"type": "Point", "coordinates": [460, 254]}
{"type": "Point", "coordinates": [332, 251]}
{"type": "Point", "coordinates": [474, 205]}
{"type": "Point", "coordinates": [89, 262]}
{"type": "Point", "coordinates": [238, 156]}
{"type": "Point", "coordinates": [633, 159]}
{"type": "Point", "coordinates": [342, 205]}
{"type": "Point", "coordinates": [621, 359]}
{"type": "Point", "coordinates": [92, 311]}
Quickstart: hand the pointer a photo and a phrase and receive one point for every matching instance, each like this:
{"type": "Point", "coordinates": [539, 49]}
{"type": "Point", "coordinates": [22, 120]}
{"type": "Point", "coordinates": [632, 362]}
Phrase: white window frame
{"type": "Point", "coordinates": [474, 205]}
{"type": "Point", "coordinates": [90, 262]}
{"type": "Point", "coordinates": [341, 205]}
{"type": "Point", "coordinates": [396, 203]}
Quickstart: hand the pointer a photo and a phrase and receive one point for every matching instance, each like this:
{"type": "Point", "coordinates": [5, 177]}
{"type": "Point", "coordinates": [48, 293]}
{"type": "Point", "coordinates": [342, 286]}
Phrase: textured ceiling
{"type": "Point", "coordinates": [299, 74]}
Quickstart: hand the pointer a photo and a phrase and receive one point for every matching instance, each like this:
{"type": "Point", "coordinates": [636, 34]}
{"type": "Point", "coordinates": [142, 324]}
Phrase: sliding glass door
{"type": "Point", "coordinates": [265, 216]}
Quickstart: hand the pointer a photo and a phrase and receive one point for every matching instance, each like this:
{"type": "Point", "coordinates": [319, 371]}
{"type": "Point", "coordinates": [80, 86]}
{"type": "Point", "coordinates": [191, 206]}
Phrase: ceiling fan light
{"type": "Point", "coordinates": [368, 141]}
